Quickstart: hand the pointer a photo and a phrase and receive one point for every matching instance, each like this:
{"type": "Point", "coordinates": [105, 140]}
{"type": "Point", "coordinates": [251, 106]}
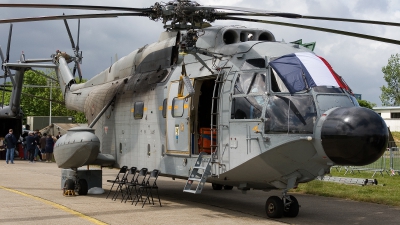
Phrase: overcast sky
{"type": "Point", "coordinates": [358, 61]}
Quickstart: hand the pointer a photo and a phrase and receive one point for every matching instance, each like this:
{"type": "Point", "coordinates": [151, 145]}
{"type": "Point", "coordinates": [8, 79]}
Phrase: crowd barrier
{"type": "Point", "coordinates": [395, 161]}
{"type": "Point", "coordinates": [389, 163]}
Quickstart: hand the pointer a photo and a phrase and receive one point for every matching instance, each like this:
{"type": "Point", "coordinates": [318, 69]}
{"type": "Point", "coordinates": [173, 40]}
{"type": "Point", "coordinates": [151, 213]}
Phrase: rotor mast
{"type": "Point", "coordinates": [180, 15]}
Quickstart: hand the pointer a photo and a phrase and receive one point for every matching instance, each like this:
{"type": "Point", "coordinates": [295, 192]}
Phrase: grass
{"type": "Point", "coordinates": [396, 136]}
{"type": "Point", "coordinates": [387, 191]}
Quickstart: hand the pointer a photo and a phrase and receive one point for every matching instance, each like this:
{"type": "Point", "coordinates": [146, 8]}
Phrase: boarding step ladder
{"type": "Point", "coordinates": [199, 174]}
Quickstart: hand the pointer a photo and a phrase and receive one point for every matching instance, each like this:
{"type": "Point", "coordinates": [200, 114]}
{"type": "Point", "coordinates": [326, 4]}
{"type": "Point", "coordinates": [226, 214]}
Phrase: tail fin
{"type": "Point", "coordinates": [65, 77]}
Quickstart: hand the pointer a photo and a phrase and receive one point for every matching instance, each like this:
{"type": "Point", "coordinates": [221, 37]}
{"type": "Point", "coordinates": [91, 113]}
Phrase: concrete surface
{"type": "Point", "coordinates": [31, 194]}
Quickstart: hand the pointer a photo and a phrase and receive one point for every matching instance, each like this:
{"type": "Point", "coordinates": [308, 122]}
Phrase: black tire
{"type": "Point", "coordinates": [82, 187]}
{"type": "Point", "coordinates": [274, 207]}
{"type": "Point", "coordinates": [293, 209]}
{"type": "Point", "coordinates": [217, 186]}
{"type": "Point", "coordinates": [69, 184]}
{"type": "Point", "coordinates": [227, 187]}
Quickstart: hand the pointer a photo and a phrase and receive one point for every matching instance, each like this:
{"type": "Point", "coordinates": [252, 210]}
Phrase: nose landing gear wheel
{"type": "Point", "coordinates": [217, 186]}
{"type": "Point", "coordinates": [227, 187]}
{"type": "Point", "coordinates": [291, 210]}
{"type": "Point", "coordinates": [274, 207]}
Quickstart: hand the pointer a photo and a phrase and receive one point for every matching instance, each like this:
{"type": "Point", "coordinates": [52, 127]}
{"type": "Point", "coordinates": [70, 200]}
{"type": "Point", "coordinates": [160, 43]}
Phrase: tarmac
{"type": "Point", "coordinates": [30, 193]}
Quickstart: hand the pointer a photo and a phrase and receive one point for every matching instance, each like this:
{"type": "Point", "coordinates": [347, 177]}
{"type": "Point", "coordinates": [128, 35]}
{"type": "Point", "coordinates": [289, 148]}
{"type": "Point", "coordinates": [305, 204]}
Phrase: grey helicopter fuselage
{"type": "Point", "coordinates": [264, 137]}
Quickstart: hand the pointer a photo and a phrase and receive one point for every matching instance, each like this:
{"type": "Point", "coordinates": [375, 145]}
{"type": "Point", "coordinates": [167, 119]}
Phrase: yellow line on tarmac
{"type": "Point", "coordinates": [58, 206]}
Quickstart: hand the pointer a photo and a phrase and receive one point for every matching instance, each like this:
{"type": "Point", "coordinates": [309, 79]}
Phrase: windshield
{"type": "Point", "coordinates": [290, 114]}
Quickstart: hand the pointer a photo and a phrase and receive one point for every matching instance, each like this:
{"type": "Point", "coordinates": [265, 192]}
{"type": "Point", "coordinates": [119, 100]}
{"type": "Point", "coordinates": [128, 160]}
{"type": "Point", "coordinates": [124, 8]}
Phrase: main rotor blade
{"type": "Point", "coordinates": [79, 16]}
{"type": "Point", "coordinates": [69, 34]}
{"type": "Point", "coordinates": [248, 10]}
{"type": "Point", "coordinates": [376, 22]}
{"type": "Point", "coordinates": [83, 7]}
{"type": "Point", "coordinates": [9, 44]}
{"type": "Point", "coordinates": [346, 33]}
{"type": "Point", "coordinates": [2, 56]}
{"type": "Point", "coordinates": [352, 20]}
{"type": "Point", "coordinates": [77, 42]}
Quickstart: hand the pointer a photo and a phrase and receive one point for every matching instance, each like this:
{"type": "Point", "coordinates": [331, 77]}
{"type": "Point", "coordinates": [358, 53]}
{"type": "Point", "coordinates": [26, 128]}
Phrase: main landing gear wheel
{"type": "Point", "coordinates": [69, 188]}
{"type": "Point", "coordinates": [274, 207]}
{"type": "Point", "coordinates": [82, 187]}
{"type": "Point", "coordinates": [217, 186]}
{"type": "Point", "coordinates": [292, 208]}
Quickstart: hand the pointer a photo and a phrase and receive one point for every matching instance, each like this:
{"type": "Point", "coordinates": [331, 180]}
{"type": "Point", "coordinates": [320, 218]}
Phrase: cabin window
{"type": "Point", "coordinates": [253, 64]}
{"type": "Point", "coordinates": [290, 114]}
{"type": "Point", "coordinates": [164, 109]}
{"type": "Point", "coordinates": [138, 110]}
{"type": "Point", "coordinates": [177, 107]}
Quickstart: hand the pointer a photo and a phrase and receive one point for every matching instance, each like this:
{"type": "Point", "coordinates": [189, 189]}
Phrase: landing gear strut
{"type": "Point", "coordinates": [276, 207]}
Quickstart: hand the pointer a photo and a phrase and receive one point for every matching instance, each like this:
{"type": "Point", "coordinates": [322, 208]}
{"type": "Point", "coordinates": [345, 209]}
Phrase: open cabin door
{"type": "Point", "coordinates": [178, 122]}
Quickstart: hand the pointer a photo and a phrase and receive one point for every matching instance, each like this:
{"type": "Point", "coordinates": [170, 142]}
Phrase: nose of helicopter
{"type": "Point", "coordinates": [354, 136]}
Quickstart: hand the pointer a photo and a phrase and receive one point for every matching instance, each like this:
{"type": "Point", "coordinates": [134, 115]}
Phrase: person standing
{"type": "Point", "coordinates": [58, 136]}
{"type": "Point", "coordinates": [43, 146]}
{"type": "Point", "coordinates": [37, 150]}
{"type": "Point", "coordinates": [24, 135]}
{"type": "Point", "coordinates": [11, 144]}
{"type": "Point", "coordinates": [49, 148]}
{"type": "Point", "coordinates": [31, 145]}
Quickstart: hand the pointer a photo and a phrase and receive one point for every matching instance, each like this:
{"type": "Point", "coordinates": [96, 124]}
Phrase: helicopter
{"type": "Point", "coordinates": [229, 105]}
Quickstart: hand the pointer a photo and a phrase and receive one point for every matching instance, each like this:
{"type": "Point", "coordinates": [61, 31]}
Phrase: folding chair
{"type": "Point", "coordinates": [139, 180]}
{"type": "Point", "coordinates": [120, 176]}
{"type": "Point", "coordinates": [130, 177]}
{"type": "Point", "coordinates": [149, 185]}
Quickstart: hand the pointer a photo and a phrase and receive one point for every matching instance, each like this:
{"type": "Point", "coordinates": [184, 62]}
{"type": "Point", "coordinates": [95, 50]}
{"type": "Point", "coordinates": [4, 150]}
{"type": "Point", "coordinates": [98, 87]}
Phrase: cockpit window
{"type": "Point", "coordinates": [327, 89]}
{"type": "Point", "coordinates": [250, 106]}
{"type": "Point", "coordinates": [257, 85]}
{"type": "Point", "coordinates": [247, 107]}
{"type": "Point", "coordinates": [251, 64]}
{"type": "Point", "coordinates": [250, 83]}
{"type": "Point", "coordinates": [242, 83]}
{"type": "Point", "coordinates": [277, 84]}
{"type": "Point", "coordinates": [290, 114]}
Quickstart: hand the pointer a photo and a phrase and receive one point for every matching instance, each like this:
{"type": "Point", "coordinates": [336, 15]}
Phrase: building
{"type": "Point", "coordinates": [391, 115]}
{"type": "Point", "coordinates": [39, 122]}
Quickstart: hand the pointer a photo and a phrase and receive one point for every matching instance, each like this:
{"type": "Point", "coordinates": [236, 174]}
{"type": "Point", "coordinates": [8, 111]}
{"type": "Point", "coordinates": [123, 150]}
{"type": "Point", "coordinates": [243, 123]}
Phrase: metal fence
{"type": "Point", "coordinates": [394, 161]}
{"type": "Point", "coordinates": [389, 163]}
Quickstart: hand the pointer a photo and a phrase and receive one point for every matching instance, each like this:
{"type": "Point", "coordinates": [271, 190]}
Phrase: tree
{"type": "Point", "coordinates": [366, 104]}
{"type": "Point", "coordinates": [391, 94]}
{"type": "Point", "coordinates": [35, 101]}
